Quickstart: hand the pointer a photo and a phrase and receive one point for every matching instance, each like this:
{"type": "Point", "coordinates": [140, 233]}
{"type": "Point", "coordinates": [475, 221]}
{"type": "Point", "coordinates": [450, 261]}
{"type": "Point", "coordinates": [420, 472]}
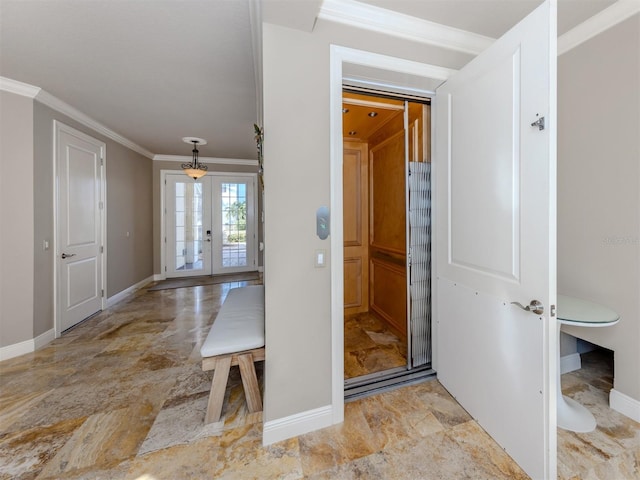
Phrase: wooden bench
{"type": "Point", "coordinates": [235, 338]}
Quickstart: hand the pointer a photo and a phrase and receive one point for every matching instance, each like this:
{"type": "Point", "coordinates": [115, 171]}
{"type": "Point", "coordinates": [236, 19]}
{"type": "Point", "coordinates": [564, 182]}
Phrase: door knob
{"type": "Point", "coordinates": [68, 255]}
{"type": "Point", "coordinates": [535, 306]}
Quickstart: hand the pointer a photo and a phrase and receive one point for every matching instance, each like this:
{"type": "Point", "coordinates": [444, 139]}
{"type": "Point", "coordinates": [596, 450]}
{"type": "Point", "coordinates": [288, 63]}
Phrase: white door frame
{"type": "Point", "coordinates": [163, 222]}
{"type": "Point", "coordinates": [59, 127]}
{"type": "Point", "coordinates": [338, 56]}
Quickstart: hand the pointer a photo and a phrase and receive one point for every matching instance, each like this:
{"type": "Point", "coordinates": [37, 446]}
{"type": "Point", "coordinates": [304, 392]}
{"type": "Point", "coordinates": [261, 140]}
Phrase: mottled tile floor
{"type": "Point", "coordinates": [122, 396]}
{"type": "Point", "coordinates": [370, 346]}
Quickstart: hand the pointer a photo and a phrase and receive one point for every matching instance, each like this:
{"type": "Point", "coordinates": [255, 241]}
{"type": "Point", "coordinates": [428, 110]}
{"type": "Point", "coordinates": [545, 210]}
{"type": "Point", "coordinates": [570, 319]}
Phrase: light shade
{"type": "Point", "coordinates": [195, 173]}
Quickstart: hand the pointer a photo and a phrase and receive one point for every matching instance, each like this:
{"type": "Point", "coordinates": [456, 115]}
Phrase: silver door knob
{"type": "Point", "coordinates": [535, 306]}
{"type": "Point", "coordinates": [68, 255]}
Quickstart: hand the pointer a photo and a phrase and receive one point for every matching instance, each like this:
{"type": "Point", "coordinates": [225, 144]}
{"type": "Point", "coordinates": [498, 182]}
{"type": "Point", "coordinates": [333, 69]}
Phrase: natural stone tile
{"type": "Point", "coordinates": [23, 454]}
{"type": "Point", "coordinates": [341, 443]}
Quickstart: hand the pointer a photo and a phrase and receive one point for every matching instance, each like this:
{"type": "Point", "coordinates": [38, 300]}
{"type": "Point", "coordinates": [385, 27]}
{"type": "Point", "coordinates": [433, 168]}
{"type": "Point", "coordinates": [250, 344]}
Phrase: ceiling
{"type": "Point", "coordinates": [155, 71]}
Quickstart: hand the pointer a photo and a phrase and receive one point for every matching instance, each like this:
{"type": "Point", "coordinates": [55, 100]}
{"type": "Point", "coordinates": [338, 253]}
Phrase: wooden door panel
{"type": "Point", "coordinates": [389, 294]}
{"type": "Point", "coordinates": [387, 188]}
{"type": "Point", "coordinates": [353, 275]}
{"type": "Point", "coordinates": [352, 197]}
{"type": "Point", "coordinates": [355, 227]}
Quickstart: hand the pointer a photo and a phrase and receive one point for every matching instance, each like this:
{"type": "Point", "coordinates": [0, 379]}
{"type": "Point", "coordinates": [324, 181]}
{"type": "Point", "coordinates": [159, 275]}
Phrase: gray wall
{"type": "Point", "coordinates": [599, 188]}
{"type": "Point", "coordinates": [129, 209]}
{"type": "Point", "coordinates": [16, 219]}
{"type": "Point", "coordinates": [158, 166]}
{"type": "Point", "coordinates": [297, 161]}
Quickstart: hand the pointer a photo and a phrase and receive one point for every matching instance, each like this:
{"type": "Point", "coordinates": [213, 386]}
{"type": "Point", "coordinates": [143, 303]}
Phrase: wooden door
{"type": "Point", "coordinates": [80, 206]}
{"type": "Point", "coordinates": [495, 229]}
{"type": "Point", "coordinates": [356, 227]}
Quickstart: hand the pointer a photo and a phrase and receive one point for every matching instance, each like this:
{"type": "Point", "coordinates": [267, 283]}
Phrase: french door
{"type": "Point", "coordinates": [209, 224]}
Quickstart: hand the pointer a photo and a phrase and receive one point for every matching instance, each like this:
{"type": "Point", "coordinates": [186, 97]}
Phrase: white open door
{"type": "Point", "coordinates": [495, 228]}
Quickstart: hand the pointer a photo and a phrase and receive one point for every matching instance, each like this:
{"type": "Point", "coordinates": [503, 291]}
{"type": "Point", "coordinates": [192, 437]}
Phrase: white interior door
{"type": "Point", "coordinates": [495, 229]}
{"type": "Point", "coordinates": [187, 225]}
{"type": "Point", "coordinates": [80, 203]}
{"type": "Point", "coordinates": [234, 223]}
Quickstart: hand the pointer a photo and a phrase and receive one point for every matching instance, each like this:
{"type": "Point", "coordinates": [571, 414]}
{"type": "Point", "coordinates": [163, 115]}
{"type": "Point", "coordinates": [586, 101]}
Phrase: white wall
{"type": "Point", "coordinates": [599, 188]}
{"type": "Point", "coordinates": [297, 182]}
{"type": "Point", "coordinates": [16, 214]}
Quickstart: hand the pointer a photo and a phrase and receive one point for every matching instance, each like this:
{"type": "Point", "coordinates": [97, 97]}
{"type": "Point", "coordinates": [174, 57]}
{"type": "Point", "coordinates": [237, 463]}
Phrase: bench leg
{"type": "Point", "coordinates": [250, 383]}
{"type": "Point", "coordinates": [218, 387]}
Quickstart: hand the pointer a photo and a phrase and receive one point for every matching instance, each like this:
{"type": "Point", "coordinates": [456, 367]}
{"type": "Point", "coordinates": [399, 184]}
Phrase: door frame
{"type": "Point", "coordinates": [340, 55]}
{"type": "Point", "coordinates": [59, 127]}
{"type": "Point", "coordinates": [163, 222]}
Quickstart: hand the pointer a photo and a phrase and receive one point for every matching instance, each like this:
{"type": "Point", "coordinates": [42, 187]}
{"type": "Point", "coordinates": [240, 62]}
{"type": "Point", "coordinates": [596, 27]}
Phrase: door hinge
{"type": "Point", "coordinates": [165, 268]}
{"type": "Point", "coordinates": [539, 123]}
{"type": "Point", "coordinates": [553, 311]}
{"type": "Point", "coordinates": [100, 205]}
{"type": "Point", "coordinates": [102, 162]}
{"type": "Point", "coordinates": [102, 292]}
{"type": "Point", "coordinates": [101, 249]}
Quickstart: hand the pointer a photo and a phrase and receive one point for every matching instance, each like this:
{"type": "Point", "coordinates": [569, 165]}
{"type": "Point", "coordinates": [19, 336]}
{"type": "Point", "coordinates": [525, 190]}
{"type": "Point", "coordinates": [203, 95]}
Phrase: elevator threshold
{"type": "Point", "coordinates": [372, 384]}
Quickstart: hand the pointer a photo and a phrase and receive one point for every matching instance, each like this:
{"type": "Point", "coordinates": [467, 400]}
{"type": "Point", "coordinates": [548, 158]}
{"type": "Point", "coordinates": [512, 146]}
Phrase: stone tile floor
{"type": "Point", "coordinates": [370, 346]}
{"type": "Point", "coordinates": [122, 396]}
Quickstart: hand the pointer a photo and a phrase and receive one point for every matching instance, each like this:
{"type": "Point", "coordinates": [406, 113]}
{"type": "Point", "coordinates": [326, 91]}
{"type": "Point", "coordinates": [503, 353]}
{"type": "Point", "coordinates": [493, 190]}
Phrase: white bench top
{"type": "Point", "coordinates": [239, 324]}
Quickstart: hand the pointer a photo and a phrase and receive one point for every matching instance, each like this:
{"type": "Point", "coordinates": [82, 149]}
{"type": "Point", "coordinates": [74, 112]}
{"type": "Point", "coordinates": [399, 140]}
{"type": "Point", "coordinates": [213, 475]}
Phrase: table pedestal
{"type": "Point", "coordinates": [572, 415]}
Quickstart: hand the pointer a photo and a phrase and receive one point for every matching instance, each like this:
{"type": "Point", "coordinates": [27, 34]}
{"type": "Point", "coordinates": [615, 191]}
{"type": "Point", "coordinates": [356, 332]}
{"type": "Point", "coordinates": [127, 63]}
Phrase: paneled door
{"type": "Point", "coordinates": [234, 223]}
{"type": "Point", "coordinates": [188, 225]}
{"type": "Point", "coordinates": [79, 226]}
{"type": "Point", "coordinates": [356, 227]}
{"type": "Point", "coordinates": [496, 240]}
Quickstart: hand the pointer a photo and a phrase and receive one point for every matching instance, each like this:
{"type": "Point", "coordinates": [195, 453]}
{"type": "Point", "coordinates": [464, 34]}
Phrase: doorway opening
{"type": "Point", "coordinates": [209, 225]}
{"type": "Point", "coordinates": [387, 240]}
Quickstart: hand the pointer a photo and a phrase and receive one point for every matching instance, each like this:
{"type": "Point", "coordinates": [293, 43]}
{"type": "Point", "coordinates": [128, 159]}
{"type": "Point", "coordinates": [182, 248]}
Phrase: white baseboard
{"type": "Point", "coordinates": [298, 424]}
{"type": "Point", "coordinates": [159, 276]}
{"type": "Point", "coordinates": [16, 349]}
{"type": "Point", "coordinates": [45, 339]}
{"type": "Point", "coordinates": [28, 346]}
{"type": "Point", "coordinates": [570, 363]}
{"type": "Point", "coordinates": [118, 297]}
{"type": "Point", "coordinates": [624, 404]}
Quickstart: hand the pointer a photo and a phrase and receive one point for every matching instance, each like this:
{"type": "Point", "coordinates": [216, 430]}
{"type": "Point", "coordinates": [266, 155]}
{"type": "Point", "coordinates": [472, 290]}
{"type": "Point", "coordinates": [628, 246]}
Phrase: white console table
{"type": "Point", "coordinates": [577, 312]}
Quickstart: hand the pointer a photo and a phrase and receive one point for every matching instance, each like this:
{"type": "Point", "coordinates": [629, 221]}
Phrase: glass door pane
{"type": "Point", "coordinates": [188, 220]}
{"type": "Point", "coordinates": [234, 220]}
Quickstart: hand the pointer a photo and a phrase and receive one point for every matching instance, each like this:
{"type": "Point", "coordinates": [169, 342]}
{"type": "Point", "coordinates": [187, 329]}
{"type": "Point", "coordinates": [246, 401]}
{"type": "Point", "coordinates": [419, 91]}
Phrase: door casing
{"type": "Point", "coordinates": [338, 56]}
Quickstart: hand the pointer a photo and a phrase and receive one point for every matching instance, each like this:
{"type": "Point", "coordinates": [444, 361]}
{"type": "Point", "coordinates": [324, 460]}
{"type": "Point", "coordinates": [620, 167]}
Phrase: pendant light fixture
{"type": "Point", "coordinates": [194, 169]}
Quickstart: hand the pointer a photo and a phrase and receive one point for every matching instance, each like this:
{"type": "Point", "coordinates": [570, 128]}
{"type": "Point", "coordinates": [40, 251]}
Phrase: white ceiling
{"type": "Point", "coordinates": [155, 71]}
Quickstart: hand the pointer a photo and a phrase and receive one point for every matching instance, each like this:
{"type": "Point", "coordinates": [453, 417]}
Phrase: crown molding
{"type": "Point", "coordinates": [215, 160]}
{"type": "Point", "coordinates": [19, 88]}
{"type": "Point", "coordinates": [607, 18]}
{"type": "Point", "coordinates": [66, 109]}
{"type": "Point", "coordinates": [369, 17]}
